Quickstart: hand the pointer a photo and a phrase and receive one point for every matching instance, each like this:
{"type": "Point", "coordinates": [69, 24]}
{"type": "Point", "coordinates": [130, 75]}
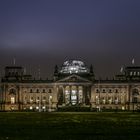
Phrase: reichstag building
{"type": "Point", "coordinates": [73, 85]}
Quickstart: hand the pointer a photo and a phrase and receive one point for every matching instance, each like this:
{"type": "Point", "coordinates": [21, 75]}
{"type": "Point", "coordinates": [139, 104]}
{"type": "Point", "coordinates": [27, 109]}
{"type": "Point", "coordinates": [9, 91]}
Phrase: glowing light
{"type": "Point", "coordinates": [12, 100]}
{"type": "Point", "coordinates": [37, 107]}
{"type": "Point", "coordinates": [31, 107]}
{"type": "Point", "coordinates": [74, 66]}
{"type": "Point", "coordinates": [43, 107]}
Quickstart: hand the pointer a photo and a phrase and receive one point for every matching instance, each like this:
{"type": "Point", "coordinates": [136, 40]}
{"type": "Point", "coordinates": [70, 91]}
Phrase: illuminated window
{"type": "Point", "coordinates": [12, 100]}
{"type": "Point", "coordinates": [50, 99]}
{"type": "Point", "coordinates": [110, 100]}
{"type": "Point", "coordinates": [97, 100]}
{"type": "Point", "coordinates": [104, 101]}
{"type": "Point", "coordinates": [116, 100]}
{"type": "Point", "coordinates": [31, 99]}
{"type": "Point", "coordinates": [134, 72]}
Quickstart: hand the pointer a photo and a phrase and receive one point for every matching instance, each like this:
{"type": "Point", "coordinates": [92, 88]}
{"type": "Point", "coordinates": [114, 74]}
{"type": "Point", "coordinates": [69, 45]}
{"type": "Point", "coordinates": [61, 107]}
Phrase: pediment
{"type": "Point", "coordinates": [74, 78]}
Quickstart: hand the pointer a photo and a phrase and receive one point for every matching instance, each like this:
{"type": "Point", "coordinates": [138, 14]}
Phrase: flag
{"type": "Point", "coordinates": [133, 61]}
{"type": "Point", "coordinates": [121, 70]}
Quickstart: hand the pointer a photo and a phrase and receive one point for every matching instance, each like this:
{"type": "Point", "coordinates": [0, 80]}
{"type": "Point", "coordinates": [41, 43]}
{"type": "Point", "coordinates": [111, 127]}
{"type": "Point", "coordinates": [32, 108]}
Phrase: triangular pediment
{"type": "Point", "coordinates": [74, 78]}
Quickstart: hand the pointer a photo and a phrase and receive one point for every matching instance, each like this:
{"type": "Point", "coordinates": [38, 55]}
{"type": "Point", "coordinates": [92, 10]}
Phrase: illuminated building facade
{"type": "Point", "coordinates": [73, 85]}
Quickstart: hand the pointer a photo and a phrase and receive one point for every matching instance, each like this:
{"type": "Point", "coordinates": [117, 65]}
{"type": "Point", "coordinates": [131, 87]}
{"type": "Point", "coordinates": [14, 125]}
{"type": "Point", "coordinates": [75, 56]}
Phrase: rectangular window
{"type": "Point", "coordinates": [134, 72]}
{"type": "Point", "coordinates": [12, 100]}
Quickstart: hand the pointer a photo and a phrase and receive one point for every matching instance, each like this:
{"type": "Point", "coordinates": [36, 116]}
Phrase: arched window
{"type": "Point", "coordinates": [116, 90]}
{"type": "Point", "coordinates": [97, 90]}
{"type": "Point", "coordinates": [31, 91]}
{"type": "Point", "coordinates": [110, 91]}
{"type": "Point", "coordinates": [104, 91]}
{"type": "Point", "coordinates": [50, 91]}
{"type": "Point", "coordinates": [43, 91]}
{"type": "Point", "coordinates": [37, 90]}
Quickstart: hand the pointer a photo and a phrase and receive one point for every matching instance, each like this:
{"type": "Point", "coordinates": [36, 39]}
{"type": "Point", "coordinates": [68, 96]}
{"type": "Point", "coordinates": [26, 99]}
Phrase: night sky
{"type": "Point", "coordinates": [43, 33]}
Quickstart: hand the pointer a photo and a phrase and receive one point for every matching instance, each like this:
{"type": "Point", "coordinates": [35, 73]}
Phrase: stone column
{"type": "Point", "coordinates": [77, 93]}
{"type": "Point", "coordinates": [64, 88]}
{"type": "Point", "coordinates": [84, 94]}
{"type": "Point", "coordinates": [70, 87]}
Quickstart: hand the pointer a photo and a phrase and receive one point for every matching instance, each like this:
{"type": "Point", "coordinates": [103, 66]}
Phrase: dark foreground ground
{"type": "Point", "coordinates": [69, 126]}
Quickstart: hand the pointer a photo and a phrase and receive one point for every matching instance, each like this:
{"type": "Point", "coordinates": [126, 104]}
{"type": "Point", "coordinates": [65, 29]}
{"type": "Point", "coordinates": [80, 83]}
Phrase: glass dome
{"type": "Point", "coordinates": [74, 66]}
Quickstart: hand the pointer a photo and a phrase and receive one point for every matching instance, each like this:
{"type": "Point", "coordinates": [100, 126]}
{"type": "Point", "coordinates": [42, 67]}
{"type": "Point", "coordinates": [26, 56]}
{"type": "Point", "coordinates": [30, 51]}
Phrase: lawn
{"type": "Point", "coordinates": [69, 126]}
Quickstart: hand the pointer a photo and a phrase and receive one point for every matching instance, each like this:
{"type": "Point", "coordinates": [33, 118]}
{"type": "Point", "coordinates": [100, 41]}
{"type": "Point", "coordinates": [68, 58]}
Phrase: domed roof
{"type": "Point", "coordinates": [74, 66]}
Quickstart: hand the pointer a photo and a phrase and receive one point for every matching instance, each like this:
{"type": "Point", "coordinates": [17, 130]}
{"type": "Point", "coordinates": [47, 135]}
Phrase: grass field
{"type": "Point", "coordinates": [69, 126]}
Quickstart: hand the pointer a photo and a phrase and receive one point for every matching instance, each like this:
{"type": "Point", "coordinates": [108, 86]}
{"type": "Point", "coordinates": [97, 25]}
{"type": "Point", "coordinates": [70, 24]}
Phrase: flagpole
{"type": "Point", "coordinates": [14, 61]}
